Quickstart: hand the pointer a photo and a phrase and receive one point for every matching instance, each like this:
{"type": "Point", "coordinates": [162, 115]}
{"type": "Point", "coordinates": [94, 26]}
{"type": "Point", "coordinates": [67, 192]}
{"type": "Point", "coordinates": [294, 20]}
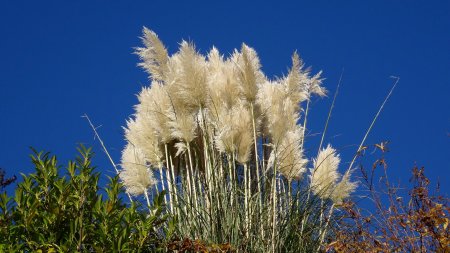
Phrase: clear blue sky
{"type": "Point", "coordinates": [61, 59]}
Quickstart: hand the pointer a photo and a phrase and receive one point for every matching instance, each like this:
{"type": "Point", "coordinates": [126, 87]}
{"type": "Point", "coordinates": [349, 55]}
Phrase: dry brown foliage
{"type": "Point", "coordinates": [4, 181]}
{"type": "Point", "coordinates": [188, 245]}
{"type": "Point", "coordinates": [418, 224]}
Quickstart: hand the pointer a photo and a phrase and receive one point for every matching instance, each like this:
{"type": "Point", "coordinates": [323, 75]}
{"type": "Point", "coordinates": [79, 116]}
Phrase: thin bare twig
{"type": "Point", "coordinates": [331, 110]}
{"type": "Point", "coordinates": [397, 79]}
{"type": "Point", "coordinates": [104, 149]}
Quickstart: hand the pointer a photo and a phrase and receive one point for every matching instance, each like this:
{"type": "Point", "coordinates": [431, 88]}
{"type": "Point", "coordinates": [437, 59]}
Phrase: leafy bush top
{"type": "Point", "coordinates": [55, 212]}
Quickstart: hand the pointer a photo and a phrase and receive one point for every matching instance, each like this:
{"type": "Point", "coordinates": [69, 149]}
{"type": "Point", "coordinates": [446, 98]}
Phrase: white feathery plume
{"type": "Point", "coordinates": [182, 109]}
{"type": "Point", "coordinates": [154, 55]}
{"type": "Point", "coordinates": [155, 103]}
{"type": "Point", "coordinates": [139, 133]}
{"type": "Point", "coordinates": [324, 175]}
{"type": "Point", "coordinates": [183, 125]}
{"type": "Point", "coordinates": [269, 97]}
{"type": "Point", "coordinates": [215, 59]}
{"type": "Point", "coordinates": [191, 86]}
{"type": "Point", "coordinates": [343, 189]}
{"type": "Point", "coordinates": [244, 133]}
{"type": "Point", "coordinates": [291, 162]}
{"type": "Point", "coordinates": [223, 89]}
{"type": "Point", "coordinates": [181, 148]}
{"type": "Point", "coordinates": [249, 72]}
{"type": "Point", "coordinates": [176, 117]}
{"type": "Point", "coordinates": [315, 85]}
{"type": "Point", "coordinates": [296, 81]}
{"type": "Point", "coordinates": [136, 175]}
{"type": "Point", "coordinates": [270, 94]}
{"type": "Point", "coordinates": [224, 137]}
{"type": "Point", "coordinates": [235, 133]}
{"type": "Point", "coordinates": [278, 109]}
{"type": "Point", "coordinates": [173, 74]}
{"type": "Point", "coordinates": [205, 122]}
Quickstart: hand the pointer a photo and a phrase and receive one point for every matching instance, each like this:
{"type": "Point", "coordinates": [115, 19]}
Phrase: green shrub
{"type": "Point", "coordinates": [51, 212]}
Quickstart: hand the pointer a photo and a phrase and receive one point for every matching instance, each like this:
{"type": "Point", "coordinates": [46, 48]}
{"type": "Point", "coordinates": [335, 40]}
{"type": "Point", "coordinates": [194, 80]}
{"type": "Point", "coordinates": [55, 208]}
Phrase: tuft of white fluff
{"type": "Point", "coordinates": [140, 134]}
{"type": "Point", "coordinates": [343, 189]}
{"type": "Point", "coordinates": [235, 132]}
{"type": "Point", "coordinates": [314, 85]}
{"type": "Point", "coordinates": [183, 124]}
{"type": "Point", "coordinates": [225, 131]}
{"type": "Point", "coordinates": [324, 175]}
{"type": "Point", "coordinates": [248, 69]}
{"type": "Point", "coordinates": [136, 174]}
{"type": "Point", "coordinates": [289, 155]}
{"type": "Point", "coordinates": [279, 111]}
{"type": "Point", "coordinates": [154, 55]}
{"type": "Point", "coordinates": [292, 162]}
{"type": "Point", "coordinates": [296, 82]}
{"type": "Point", "coordinates": [223, 88]}
{"type": "Point", "coordinates": [156, 105]}
{"type": "Point", "coordinates": [191, 85]}
{"type": "Point", "coordinates": [244, 133]}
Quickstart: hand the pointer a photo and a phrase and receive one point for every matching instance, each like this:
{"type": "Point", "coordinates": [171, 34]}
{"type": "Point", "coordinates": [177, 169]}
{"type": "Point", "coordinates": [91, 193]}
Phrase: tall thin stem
{"type": "Point", "coordinates": [192, 175]}
{"type": "Point", "coordinates": [171, 178]}
{"type": "Point", "coordinates": [274, 207]}
{"type": "Point", "coordinates": [174, 187]}
{"type": "Point", "coordinates": [258, 176]}
{"type": "Point", "coordinates": [162, 183]}
{"type": "Point", "coordinates": [246, 205]}
{"type": "Point", "coordinates": [289, 193]}
{"type": "Point", "coordinates": [147, 199]}
{"type": "Point", "coordinates": [330, 111]}
{"type": "Point", "coordinates": [105, 150]}
{"type": "Point", "coordinates": [189, 185]}
{"type": "Point", "coordinates": [397, 79]}
{"type": "Point", "coordinates": [304, 125]}
{"type": "Point", "coordinates": [323, 233]}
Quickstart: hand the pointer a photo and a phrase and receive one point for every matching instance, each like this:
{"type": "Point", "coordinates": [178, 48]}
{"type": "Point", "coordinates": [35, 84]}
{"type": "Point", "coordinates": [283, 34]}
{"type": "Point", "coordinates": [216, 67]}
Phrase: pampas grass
{"type": "Point", "coordinates": [226, 143]}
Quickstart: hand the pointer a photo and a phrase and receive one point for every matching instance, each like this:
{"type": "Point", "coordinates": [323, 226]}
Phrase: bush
{"type": "Point", "coordinates": [51, 212]}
